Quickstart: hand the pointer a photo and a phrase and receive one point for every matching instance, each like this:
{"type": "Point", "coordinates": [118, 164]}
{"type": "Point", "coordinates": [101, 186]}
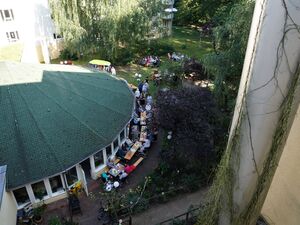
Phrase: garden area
{"type": "Point", "coordinates": [193, 76]}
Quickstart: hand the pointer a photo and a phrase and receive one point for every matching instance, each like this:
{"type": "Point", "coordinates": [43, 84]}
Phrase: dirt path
{"type": "Point", "coordinates": [161, 212]}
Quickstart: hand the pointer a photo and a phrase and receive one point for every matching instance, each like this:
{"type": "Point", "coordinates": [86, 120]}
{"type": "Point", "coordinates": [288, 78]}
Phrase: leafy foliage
{"type": "Point", "coordinates": [103, 26]}
{"type": "Point", "coordinates": [191, 115]}
{"type": "Point", "coordinates": [199, 12]}
{"type": "Point", "coordinates": [226, 63]}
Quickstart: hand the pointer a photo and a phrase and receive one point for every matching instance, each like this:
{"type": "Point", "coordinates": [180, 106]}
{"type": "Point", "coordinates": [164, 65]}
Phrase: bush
{"type": "Point", "coordinates": [124, 57]}
{"type": "Point", "coordinates": [54, 221]}
{"type": "Point", "coordinates": [67, 54]}
{"type": "Point", "coordinates": [155, 47]}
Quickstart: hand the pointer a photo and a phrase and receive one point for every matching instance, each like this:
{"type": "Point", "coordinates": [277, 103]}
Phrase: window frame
{"type": "Point", "coordinates": [7, 15]}
{"type": "Point", "coordinates": [103, 159]}
{"type": "Point", "coordinates": [34, 193]}
{"type": "Point", "coordinates": [18, 203]}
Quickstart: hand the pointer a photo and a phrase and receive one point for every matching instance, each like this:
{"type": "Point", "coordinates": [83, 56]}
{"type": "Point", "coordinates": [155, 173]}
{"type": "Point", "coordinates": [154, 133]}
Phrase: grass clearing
{"type": "Point", "coordinates": [184, 40]}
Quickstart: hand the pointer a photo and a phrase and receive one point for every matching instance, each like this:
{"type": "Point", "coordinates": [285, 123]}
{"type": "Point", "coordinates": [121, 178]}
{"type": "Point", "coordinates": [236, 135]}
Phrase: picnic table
{"type": "Point", "coordinates": [133, 150]}
{"type": "Point", "coordinates": [143, 135]}
{"type": "Point", "coordinates": [116, 170]}
{"type": "Point", "coordinates": [143, 118]}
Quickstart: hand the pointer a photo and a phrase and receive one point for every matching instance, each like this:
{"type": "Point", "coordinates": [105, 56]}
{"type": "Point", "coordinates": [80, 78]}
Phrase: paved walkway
{"type": "Point", "coordinates": [175, 207]}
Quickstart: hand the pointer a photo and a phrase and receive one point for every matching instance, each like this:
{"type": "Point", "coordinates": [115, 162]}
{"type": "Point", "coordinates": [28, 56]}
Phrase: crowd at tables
{"type": "Point", "coordinates": [143, 132]}
{"type": "Point", "coordinates": [150, 60]}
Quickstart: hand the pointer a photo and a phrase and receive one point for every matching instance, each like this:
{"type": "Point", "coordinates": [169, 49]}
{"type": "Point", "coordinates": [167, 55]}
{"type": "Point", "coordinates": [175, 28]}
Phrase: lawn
{"type": "Point", "coordinates": [183, 40]}
{"type": "Point", "coordinates": [189, 42]}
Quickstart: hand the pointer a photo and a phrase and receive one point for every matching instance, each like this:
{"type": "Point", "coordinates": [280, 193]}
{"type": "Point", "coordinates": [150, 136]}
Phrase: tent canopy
{"type": "Point", "coordinates": [99, 62]}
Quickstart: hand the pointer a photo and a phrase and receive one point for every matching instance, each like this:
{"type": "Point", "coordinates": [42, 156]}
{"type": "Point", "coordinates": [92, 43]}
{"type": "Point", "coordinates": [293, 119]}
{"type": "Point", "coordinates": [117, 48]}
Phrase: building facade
{"type": "Point", "coordinates": [60, 124]}
{"type": "Point", "coordinates": [29, 24]}
{"type": "Point", "coordinates": [168, 15]}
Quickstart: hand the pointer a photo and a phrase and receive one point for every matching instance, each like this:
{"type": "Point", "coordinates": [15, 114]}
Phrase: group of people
{"type": "Point", "coordinates": [150, 61]}
{"type": "Point", "coordinates": [175, 57]}
{"type": "Point", "coordinates": [142, 90]}
{"type": "Point", "coordinates": [144, 117]}
{"type": "Point", "coordinates": [144, 106]}
{"type": "Point", "coordinates": [122, 171]}
{"type": "Point", "coordinates": [109, 69]}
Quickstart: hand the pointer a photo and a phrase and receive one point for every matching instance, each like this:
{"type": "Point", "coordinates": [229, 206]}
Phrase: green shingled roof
{"type": "Point", "coordinates": [54, 116]}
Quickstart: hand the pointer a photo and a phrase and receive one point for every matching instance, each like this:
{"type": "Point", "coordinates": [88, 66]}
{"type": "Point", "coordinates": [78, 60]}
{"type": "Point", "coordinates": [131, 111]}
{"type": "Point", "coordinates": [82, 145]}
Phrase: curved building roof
{"type": "Point", "coordinates": [54, 116]}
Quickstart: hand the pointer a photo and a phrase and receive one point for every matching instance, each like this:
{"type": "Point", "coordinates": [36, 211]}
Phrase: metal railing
{"type": "Point", "coordinates": [184, 218]}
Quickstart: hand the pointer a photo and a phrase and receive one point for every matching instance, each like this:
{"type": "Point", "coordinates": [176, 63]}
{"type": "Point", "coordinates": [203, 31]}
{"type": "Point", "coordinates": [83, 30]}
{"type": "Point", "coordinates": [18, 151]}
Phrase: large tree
{"type": "Point", "coordinates": [103, 25]}
{"type": "Point", "coordinates": [192, 116]}
{"type": "Point", "coordinates": [199, 12]}
{"type": "Point", "coordinates": [230, 39]}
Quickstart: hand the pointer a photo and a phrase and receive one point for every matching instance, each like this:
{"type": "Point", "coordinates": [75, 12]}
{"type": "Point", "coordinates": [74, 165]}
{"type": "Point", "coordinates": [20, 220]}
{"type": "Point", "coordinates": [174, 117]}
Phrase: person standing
{"type": "Point", "coordinates": [113, 71]}
{"type": "Point", "coordinates": [145, 87]}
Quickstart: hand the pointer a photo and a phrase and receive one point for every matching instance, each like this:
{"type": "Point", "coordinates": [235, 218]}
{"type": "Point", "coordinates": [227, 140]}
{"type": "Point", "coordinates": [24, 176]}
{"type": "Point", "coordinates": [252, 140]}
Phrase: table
{"type": "Point", "coordinates": [143, 118]}
{"type": "Point", "coordinates": [116, 170]}
{"type": "Point", "coordinates": [128, 142]}
{"type": "Point", "coordinates": [143, 135]}
{"type": "Point", "coordinates": [133, 150]}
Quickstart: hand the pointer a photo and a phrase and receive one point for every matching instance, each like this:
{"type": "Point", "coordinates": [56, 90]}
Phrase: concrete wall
{"type": "Point", "coordinates": [35, 27]}
{"type": "Point", "coordinates": [267, 74]}
{"type": "Point", "coordinates": [8, 210]}
{"type": "Point", "coordinates": [282, 205]}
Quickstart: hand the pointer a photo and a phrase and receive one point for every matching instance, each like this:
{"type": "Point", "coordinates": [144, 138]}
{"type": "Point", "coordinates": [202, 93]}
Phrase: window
{"type": "Point", "coordinates": [7, 15]}
{"type": "Point", "coordinates": [39, 190]}
{"type": "Point", "coordinates": [21, 196]}
{"type": "Point", "coordinates": [122, 135]}
{"type": "Point", "coordinates": [98, 157]}
{"type": "Point", "coordinates": [71, 176]}
{"type": "Point", "coordinates": [108, 151]}
{"type": "Point", "coordinates": [116, 144]}
{"type": "Point", "coordinates": [56, 184]}
{"type": "Point", "coordinates": [12, 36]}
{"type": "Point", "coordinates": [56, 36]}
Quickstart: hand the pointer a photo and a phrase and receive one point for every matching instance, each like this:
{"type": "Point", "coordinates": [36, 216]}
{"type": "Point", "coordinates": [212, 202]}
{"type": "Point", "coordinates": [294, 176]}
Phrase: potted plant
{"type": "Point", "coordinates": [37, 214]}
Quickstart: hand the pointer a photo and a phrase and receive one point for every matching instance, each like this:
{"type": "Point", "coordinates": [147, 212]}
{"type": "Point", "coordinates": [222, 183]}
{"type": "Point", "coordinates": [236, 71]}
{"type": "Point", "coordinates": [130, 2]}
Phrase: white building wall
{"type": "Point", "coordinates": [35, 28]}
{"type": "Point", "coordinates": [268, 71]}
{"type": "Point", "coordinates": [8, 210]}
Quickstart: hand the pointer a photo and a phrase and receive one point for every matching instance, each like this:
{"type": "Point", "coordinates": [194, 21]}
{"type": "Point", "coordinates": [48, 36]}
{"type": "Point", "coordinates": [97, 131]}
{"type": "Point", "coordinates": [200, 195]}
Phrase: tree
{"type": "Point", "coordinates": [230, 39]}
{"type": "Point", "coordinates": [192, 116]}
{"type": "Point", "coordinates": [103, 25]}
{"type": "Point", "coordinates": [199, 12]}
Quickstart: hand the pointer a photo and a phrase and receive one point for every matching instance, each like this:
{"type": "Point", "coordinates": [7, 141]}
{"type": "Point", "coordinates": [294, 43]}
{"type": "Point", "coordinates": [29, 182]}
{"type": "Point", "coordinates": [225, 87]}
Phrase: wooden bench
{"type": "Point", "coordinates": [137, 162]}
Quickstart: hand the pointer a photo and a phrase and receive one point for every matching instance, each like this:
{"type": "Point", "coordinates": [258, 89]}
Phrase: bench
{"type": "Point", "coordinates": [137, 162]}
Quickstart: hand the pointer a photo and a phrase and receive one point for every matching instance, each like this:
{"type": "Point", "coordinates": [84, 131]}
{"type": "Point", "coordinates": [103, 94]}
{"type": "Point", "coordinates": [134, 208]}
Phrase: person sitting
{"type": "Point", "coordinates": [111, 163]}
{"type": "Point", "coordinates": [149, 99]}
{"type": "Point", "coordinates": [147, 144]}
{"type": "Point", "coordinates": [123, 175]}
{"type": "Point", "coordinates": [104, 177]}
{"type": "Point", "coordinates": [136, 120]}
{"type": "Point", "coordinates": [121, 151]}
{"type": "Point", "coordinates": [129, 168]}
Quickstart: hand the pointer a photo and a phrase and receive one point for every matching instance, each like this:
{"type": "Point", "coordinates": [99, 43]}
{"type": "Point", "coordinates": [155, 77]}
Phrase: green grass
{"type": "Point", "coordinates": [184, 40]}
{"type": "Point", "coordinates": [13, 52]}
{"type": "Point", "coordinates": [189, 42]}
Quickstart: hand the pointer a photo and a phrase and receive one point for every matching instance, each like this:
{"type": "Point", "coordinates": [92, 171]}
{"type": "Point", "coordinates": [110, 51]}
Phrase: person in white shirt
{"type": "Point", "coordinates": [137, 93]}
{"type": "Point", "coordinates": [145, 87]}
{"type": "Point", "coordinates": [149, 100]}
{"type": "Point", "coordinates": [113, 71]}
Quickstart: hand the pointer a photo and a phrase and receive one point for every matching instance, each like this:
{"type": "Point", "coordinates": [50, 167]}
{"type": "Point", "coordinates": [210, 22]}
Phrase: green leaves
{"type": "Point", "coordinates": [105, 25]}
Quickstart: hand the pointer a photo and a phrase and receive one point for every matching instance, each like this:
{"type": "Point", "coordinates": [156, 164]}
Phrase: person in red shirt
{"type": "Point", "coordinates": [129, 168]}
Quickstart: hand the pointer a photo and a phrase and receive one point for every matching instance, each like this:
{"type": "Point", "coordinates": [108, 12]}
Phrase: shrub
{"type": "Point", "coordinates": [123, 57]}
{"type": "Point", "coordinates": [54, 221]}
{"type": "Point", "coordinates": [67, 54]}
